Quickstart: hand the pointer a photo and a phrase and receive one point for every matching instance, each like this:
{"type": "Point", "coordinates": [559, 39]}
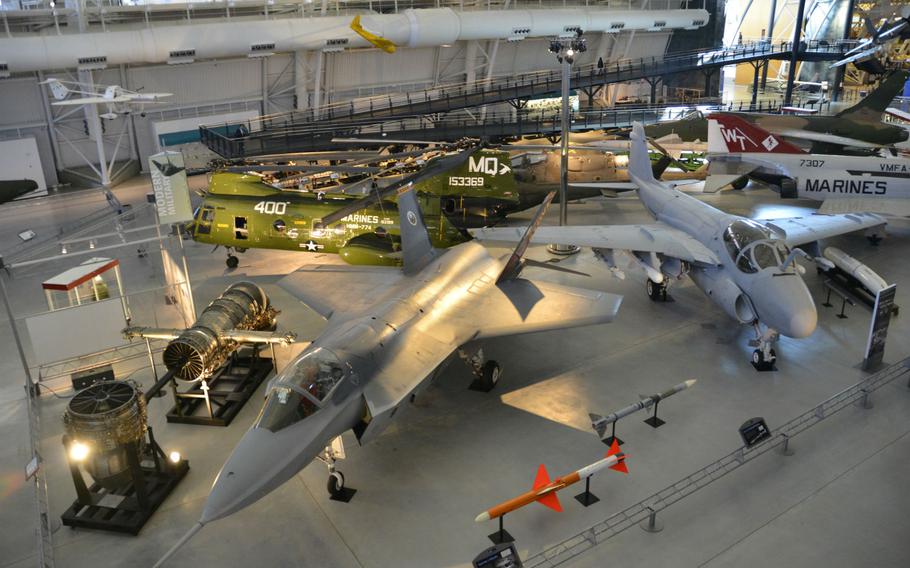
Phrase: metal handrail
{"type": "Point", "coordinates": [572, 547]}
{"type": "Point", "coordinates": [478, 93]}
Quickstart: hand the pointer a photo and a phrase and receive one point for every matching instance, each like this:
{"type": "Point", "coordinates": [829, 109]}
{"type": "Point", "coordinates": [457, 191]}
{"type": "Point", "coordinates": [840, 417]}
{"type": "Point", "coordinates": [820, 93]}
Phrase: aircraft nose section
{"type": "Point", "coordinates": [786, 305]}
{"type": "Point", "coordinates": [252, 471]}
{"type": "Point", "coordinates": [802, 323]}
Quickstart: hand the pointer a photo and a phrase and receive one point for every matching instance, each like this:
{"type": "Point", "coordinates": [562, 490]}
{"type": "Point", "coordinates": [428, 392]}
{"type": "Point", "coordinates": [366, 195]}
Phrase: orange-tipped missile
{"type": "Point", "coordinates": [544, 490]}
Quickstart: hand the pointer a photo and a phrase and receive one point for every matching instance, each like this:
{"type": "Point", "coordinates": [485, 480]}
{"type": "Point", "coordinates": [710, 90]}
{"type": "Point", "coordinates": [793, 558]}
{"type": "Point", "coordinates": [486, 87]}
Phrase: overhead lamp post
{"type": "Point", "coordinates": [566, 50]}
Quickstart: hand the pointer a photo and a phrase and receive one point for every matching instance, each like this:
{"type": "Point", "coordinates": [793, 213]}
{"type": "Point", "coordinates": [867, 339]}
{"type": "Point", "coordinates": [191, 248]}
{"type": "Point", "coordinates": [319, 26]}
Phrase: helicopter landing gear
{"type": "Point", "coordinates": [486, 373]}
{"type": "Point", "coordinates": [232, 261]}
{"type": "Point", "coordinates": [764, 357]}
{"type": "Point", "coordinates": [657, 291]}
{"type": "Point", "coordinates": [335, 483]}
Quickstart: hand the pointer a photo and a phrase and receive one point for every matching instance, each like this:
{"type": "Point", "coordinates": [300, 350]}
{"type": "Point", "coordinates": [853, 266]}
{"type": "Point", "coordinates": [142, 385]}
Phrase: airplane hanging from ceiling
{"type": "Point", "coordinates": [117, 100]}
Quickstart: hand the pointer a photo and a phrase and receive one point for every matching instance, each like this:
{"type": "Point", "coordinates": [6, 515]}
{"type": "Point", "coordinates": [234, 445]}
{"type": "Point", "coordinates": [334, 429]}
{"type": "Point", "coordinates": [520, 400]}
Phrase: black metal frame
{"type": "Point", "coordinates": [141, 495]}
{"type": "Point", "coordinates": [223, 394]}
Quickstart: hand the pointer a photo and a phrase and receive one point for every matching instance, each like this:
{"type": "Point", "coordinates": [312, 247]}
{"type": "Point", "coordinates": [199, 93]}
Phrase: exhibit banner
{"type": "Point", "coordinates": [172, 194]}
{"type": "Point", "coordinates": [878, 331]}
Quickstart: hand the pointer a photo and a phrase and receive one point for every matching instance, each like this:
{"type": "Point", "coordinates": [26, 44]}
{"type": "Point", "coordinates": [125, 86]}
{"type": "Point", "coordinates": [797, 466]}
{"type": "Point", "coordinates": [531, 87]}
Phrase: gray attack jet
{"type": "Point", "coordinates": [388, 332]}
{"type": "Point", "coordinates": [746, 267]}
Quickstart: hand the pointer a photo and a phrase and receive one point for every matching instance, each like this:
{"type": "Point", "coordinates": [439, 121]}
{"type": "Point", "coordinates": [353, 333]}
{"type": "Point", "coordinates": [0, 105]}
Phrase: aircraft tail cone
{"type": "Point", "coordinates": [183, 540]}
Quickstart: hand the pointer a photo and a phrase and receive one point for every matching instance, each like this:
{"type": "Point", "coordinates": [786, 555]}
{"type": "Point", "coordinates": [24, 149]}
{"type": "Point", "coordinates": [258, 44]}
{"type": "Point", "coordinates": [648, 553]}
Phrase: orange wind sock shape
{"type": "Point", "coordinates": [544, 490]}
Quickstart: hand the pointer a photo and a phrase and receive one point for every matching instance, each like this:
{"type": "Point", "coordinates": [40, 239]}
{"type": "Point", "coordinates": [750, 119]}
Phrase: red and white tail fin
{"type": "Point", "coordinates": [549, 499]}
{"type": "Point", "coordinates": [731, 134]}
{"type": "Point", "coordinates": [621, 464]}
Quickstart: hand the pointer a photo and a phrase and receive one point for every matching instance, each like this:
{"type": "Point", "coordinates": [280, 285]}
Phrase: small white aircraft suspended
{"type": "Point", "coordinates": [117, 99]}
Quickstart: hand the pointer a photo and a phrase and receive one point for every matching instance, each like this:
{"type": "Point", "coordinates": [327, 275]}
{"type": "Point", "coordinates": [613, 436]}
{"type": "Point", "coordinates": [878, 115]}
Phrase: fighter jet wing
{"type": "Point", "coordinates": [332, 290]}
{"type": "Point", "coordinates": [656, 237]}
{"type": "Point", "coordinates": [889, 207]}
{"type": "Point", "coordinates": [527, 306]}
{"type": "Point", "coordinates": [801, 230]}
{"type": "Point", "coordinates": [511, 307]}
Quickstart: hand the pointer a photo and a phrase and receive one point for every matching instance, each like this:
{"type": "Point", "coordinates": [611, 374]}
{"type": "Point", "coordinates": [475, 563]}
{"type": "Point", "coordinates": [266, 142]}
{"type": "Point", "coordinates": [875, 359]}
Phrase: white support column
{"type": "Point", "coordinates": [493, 48]}
{"type": "Point", "coordinates": [317, 88]}
{"type": "Point", "coordinates": [264, 84]}
{"type": "Point", "coordinates": [470, 62]}
{"type": "Point", "coordinates": [301, 76]}
{"type": "Point", "coordinates": [51, 128]}
{"type": "Point", "coordinates": [131, 123]}
{"type": "Point", "coordinates": [94, 127]}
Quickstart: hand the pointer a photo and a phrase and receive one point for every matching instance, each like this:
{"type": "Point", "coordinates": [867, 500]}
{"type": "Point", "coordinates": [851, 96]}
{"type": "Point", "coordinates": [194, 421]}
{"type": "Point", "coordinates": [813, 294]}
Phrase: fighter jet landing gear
{"type": "Point", "coordinates": [657, 291]}
{"type": "Point", "coordinates": [764, 357]}
{"type": "Point", "coordinates": [486, 373]}
{"type": "Point", "coordinates": [335, 483]}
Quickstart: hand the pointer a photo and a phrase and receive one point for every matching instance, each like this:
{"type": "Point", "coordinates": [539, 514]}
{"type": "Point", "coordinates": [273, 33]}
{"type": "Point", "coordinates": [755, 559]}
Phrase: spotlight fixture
{"type": "Point", "coordinates": [174, 456]}
{"type": "Point", "coordinates": [78, 451]}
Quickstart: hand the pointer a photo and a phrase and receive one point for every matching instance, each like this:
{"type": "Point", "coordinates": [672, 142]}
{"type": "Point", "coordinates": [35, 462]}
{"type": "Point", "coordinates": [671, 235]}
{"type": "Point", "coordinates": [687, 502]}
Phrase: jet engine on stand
{"type": "Point", "coordinates": [217, 360]}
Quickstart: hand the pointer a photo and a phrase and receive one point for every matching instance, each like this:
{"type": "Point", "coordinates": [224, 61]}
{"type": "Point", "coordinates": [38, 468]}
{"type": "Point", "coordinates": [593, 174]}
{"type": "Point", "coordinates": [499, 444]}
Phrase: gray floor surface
{"type": "Point", "coordinates": [839, 501]}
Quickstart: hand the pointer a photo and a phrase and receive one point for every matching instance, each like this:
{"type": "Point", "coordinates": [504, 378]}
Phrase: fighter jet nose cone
{"type": "Point", "coordinates": [245, 476]}
{"type": "Point", "coordinates": [801, 324]}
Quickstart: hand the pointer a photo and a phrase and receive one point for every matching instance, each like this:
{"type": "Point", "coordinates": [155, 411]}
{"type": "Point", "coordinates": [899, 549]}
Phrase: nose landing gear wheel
{"type": "Point", "coordinates": [656, 291]}
{"type": "Point", "coordinates": [232, 261]}
{"type": "Point", "coordinates": [762, 362]}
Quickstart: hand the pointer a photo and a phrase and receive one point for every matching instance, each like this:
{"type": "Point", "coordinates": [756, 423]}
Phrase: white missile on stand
{"type": "Point", "coordinates": [600, 423]}
{"type": "Point", "coordinates": [863, 274]}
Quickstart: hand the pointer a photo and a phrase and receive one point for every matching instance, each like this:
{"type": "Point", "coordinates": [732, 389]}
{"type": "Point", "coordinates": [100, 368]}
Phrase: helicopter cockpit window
{"type": "Point", "coordinates": [752, 246]}
{"type": "Point", "coordinates": [300, 389]}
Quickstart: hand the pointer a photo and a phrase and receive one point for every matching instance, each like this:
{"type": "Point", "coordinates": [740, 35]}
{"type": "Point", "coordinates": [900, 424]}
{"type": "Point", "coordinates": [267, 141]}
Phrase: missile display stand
{"type": "Point", "coordinates": [501, 536]}
{"type": "Point", "coordinates": [224, 393]}
{"type": "Point", "coordinates": [587, 498]}
{"type": "Point", "coordinates": [126, 507]}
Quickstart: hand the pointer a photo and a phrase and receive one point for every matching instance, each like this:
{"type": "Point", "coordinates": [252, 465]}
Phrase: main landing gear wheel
{"type": "Point", "coordinates": [657, 291]}
{"type": "Point", "coordinates": [335, 484]}
{"type": "Point", "coordinates": [762, 362]}
{"type": "Point", "coordinates": [490, 373]}
{"type": "Point", "coordinates": [232, 261]}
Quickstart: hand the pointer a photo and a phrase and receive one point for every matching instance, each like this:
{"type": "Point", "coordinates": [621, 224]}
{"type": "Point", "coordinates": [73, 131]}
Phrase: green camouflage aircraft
{"type": "Point", "coordinates": [858, 127]}
{"type": "Point", "coordinates": [239, 212]}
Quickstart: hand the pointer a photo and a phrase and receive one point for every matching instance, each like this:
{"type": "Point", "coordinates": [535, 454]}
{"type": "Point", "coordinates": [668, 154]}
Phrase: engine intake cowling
{"type": "Point", "coordinates": [727, 295]}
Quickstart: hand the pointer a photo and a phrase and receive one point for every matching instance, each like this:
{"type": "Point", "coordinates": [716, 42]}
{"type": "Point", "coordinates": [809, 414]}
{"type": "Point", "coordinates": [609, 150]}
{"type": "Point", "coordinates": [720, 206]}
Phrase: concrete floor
{"type": "Point", "coordinates": [840, 501]}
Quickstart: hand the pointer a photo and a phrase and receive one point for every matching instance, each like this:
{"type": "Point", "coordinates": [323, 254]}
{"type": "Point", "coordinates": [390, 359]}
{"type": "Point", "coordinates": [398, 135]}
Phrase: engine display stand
{"type": "Point", "coordinates": [126, 508]}
{"type": "Point", "coordinates": [223, 394]}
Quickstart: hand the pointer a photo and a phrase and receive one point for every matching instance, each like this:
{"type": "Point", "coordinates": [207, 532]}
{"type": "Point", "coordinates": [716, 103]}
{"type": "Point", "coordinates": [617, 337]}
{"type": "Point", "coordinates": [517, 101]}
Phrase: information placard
{"type": "Point", "coordinates": [878, 331]}
{"type": "Point", "coordinates": [172, 195]}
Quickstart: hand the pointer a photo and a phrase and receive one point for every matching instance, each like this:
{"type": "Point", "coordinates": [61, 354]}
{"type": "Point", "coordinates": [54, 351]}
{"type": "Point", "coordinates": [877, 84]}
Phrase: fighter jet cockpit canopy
{"type": "Point", "coordinates": [753, 247]}
{"type": "Point", "coordinates": [300, 390]}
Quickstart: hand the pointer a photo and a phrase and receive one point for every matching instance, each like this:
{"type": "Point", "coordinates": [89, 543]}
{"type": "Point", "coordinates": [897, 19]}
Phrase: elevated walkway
{"type": "Point", "coordinates": [306, 129]}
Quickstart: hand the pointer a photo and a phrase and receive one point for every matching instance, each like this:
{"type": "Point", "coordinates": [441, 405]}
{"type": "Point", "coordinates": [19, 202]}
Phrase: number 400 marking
{"type": "Point", "coordinates": [272, 207]}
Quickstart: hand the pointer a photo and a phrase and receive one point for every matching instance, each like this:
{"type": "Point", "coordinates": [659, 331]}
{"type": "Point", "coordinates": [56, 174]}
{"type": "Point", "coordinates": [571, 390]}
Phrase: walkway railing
{"type": "Point", "coordinates": [240, 139]}
{"type": "Point", "coordinates": [648, 508]}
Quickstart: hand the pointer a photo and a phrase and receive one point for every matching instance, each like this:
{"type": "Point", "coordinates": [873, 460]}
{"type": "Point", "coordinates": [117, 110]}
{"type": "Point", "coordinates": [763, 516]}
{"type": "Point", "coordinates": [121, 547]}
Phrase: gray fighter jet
{"type": "Point", "coordinates": [388, 331]}
{"type": "Point", "coordinates": [745, 266]}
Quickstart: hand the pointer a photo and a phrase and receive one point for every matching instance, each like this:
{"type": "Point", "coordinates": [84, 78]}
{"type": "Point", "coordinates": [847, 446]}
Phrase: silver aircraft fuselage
{"type": "Point", "coordinates": [749, 284]}
{"type": "Point", "coordinates": [387, 336]}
